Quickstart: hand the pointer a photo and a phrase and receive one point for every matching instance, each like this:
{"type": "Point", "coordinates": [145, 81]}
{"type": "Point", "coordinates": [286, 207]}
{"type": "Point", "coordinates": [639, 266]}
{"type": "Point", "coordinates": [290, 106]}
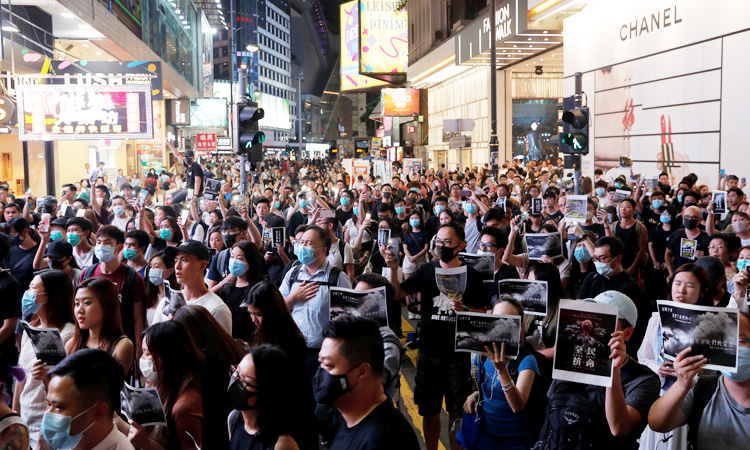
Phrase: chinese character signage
{"type": "Point", "coordinates": [55, 112]}
{"type": "Point", "coordinates": [350, 76]}
{"type": "Point", "coordinates": [383, 37]}
{"type": "Point", "coordinates": [400, 102]}
{"type": "Point", "coordinates": [206, 142]}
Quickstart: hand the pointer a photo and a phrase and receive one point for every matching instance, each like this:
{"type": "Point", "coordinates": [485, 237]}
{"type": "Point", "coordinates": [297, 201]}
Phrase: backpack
{"type": "Point", "coordinates": [333, 277]}
{"type": "Point", "coordinates": [391, 373]}
{"type": "Point", "coordinates": [704, 390]}
{"type": "Point", "coordinates": [221, 260]}
{"type": "Point", "coordinates": [571, 420]}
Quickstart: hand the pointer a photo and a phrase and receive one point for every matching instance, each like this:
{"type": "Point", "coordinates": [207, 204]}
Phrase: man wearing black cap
{"type": "Point", "coordinates": [194, 172]}
{"type": "Point", "coordinates": [191, 259]}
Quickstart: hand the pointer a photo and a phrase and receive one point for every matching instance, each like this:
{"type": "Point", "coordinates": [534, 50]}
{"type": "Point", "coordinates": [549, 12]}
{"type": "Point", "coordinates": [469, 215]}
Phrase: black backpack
{"type": "Point", "coordinates": [571, 421]}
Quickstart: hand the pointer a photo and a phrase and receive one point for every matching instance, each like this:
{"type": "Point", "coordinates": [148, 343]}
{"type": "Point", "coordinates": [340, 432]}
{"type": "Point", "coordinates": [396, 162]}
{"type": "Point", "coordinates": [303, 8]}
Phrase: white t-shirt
{"type": "Point", "coordinates": [121, 223]}
{"type": "Point", "coordinates": [86, 260]}
{"type": "Point", "coordinates": [212, 302]}
{"type": "Point", "coordinates": [335, 258]}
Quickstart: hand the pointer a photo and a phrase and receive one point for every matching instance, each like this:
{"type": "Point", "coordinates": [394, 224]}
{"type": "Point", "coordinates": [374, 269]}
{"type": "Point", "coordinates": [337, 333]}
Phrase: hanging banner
{"type": "Point", "coordinates": [56, 112]}
{"type": "Point", "coordinates": [350, 77]}
{"type": "Point", "coordinates": [383, 37]}
{"type": "Point", "coordinates": [400, 102]}
{"type": "Point", "coordinates": [205, 142]}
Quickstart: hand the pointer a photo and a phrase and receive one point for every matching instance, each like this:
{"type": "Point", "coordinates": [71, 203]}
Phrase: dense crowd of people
{"type": "Point", "coordinates": [220, 301]}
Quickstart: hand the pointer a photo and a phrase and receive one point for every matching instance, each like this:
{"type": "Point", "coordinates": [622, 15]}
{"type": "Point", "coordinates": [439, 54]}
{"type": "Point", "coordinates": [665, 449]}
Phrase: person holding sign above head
{"type": "Point", "coordinates": [603, 417]}
{"type": "Point", "coordinates": [715, 408]}
{"type": "Point", "coordinates": [441, 372]}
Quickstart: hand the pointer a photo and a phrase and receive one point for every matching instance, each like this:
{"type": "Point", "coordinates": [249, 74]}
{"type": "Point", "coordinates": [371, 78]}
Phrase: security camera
{"type": "Point", "coordinates": [538, 70]}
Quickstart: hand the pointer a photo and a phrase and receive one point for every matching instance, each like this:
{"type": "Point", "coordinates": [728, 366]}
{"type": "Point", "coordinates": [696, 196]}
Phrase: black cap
{"type": "Point", "coordinates": [549, 194]}
{"type": "Point", "coordinates": [58, 250]}
{"type": "Point", "coordinates": [189, 246]}
{"type": "Point", "coordinates": [59, 223]}
{"type": "Point", "coordinates": [49, 200]}
{"type": "Point", "coordinates": [189, 154]}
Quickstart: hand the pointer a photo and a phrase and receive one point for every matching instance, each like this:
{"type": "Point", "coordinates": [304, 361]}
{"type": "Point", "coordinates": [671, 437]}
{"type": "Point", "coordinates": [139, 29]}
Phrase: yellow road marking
{"type": "Point", "coordinates": [408, 398]}
{"type": "Point", "coordinates": [412, 354]}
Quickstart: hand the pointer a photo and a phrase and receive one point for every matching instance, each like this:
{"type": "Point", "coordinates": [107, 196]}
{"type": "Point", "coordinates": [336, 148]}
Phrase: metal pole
{"type": "Point", "coordinates": [494, 143]}
{"type": "Point", "coordinates": [232, 54]}
{"type": "Point", "coordinates": [242, 85]}
{"type": "Point", "coordinates": [577, 158]}
{"type": "Point", "coordinates": [299, 113]}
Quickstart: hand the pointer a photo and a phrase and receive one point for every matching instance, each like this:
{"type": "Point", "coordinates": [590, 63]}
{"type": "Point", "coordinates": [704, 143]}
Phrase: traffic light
{"type": "Point", "coordinates": [575, 137]}
{"type": "Point", "coordinates": [249, 137]}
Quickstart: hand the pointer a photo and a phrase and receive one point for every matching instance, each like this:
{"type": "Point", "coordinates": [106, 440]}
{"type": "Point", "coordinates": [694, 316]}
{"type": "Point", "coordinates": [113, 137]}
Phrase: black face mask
{"type": "Point", "coordinates": [446, 254]}
{"type": "Point", "coordinates": [239, 395]}
{"type": "Point", "coordinates": [386, 195]}
{"type": "Point", "coordinates": [690, 224]}
{"type": "Point", "coordinates": [328, 388]}
{"type": "Point", "coordinates": [229, 239]}
{"type": "Point", "coordinates": [53, 264]}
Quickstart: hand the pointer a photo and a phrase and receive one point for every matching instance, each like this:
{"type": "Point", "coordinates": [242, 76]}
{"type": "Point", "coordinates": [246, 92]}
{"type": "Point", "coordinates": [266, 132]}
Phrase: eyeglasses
{"type": "Point", "coordinates": [446, 243]}
{"type": "Point", "coordinates": [716, 247]}
{"type": "Point", "coordinates": [484, 246]}
{"type": "Point", "coordinates": [602, 258]}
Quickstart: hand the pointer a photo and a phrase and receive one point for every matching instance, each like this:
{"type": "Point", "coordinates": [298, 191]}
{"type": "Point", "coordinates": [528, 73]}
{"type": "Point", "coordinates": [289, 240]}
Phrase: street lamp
{"type": "Point", "coordinates": [252, 47]}
{"type": "Point", "coordinates": [300, 77]}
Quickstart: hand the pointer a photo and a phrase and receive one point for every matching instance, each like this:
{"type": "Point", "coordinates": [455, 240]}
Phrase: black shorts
{"type": "Point", "coordinates": [442, 376]}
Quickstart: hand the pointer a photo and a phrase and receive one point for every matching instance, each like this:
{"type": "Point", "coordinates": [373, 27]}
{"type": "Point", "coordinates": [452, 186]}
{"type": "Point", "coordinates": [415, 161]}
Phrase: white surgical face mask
{"type": "Point", "coordinates": [147, 369]}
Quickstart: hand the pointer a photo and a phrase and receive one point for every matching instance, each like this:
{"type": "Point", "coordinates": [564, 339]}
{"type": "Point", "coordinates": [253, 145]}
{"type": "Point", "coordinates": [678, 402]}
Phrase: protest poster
{"type": "Point", "coordinates": [575, 208]}
{"type": "Point", "coordinates": [540, 244]}
{"type": "Point", "coordinates": [173, 300]}
{"type": "Point", "coordinates": [536, 206]}
{"type": "Point", "coordinates": [475, 331]}
{"type": "Point", "coordinates": [142, 405]}
{"type": "Point", "coordinates": [47, 344]}
{"type": "Point", "coordinates": [582, 351]}
{"type": "Point", "coordinates": [211, 192]}
{"type": "Point", "coordinates": [484, 264]}
{"type": "Point", "coordinates": [349, 302]}
{"type": "Point", "coordinates": [719, 199]}
{"type": "Point", "coordinates": [708, 330]}
{"type": "Point", "coordinates": [531, 293]}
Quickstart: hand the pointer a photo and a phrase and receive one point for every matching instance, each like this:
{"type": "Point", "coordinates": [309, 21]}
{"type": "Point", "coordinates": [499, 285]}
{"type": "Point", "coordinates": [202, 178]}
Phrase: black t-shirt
{"type": "Point", "coordinates": [439, 327]}
{"type": "Point", "coordinates": [557, 217]}
{"type": "Point", "coordinates": [597, 228]}
{"type": "Point", "coordinates": [594, 284]}
{"type": "Point", "coordinates": [650, 218]}
{"type": "Point", "coordinates": [344, 216]}
{"type": "Point", "coordinates": [684, 248]}
{"type": "Point", "coordinates": [506, 272]}
{"type": "Point", "coordinates": [193, 170]}
{"type": "Point", "coordinates": [385, 428]}
{"type": "Point", "coordinates": [236, 299]}
{"type": "Point", "coordinates": [21, 265]}
{"type": "Point", "coordinates": [10, 308]}
{"type": "Point", "coordinates": [658, 237]}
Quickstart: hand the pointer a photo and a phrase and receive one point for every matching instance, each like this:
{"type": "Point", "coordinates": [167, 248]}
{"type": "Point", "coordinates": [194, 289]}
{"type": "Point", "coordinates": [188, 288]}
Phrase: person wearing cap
{"type": "Point", "coordinates": [130, 285]}
{"type": "Point", "coordinates": [616, 415]}
{"type": "Point", "coordinates": [193, 170]}
{"type": "Point", "coordinates": [191, 259]}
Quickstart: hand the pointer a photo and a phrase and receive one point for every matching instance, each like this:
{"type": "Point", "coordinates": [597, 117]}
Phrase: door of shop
{"type": "Point", "coordinates": [441, 157]}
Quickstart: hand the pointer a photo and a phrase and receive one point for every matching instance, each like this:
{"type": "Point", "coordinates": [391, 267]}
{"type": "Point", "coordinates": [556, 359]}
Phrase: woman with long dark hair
{"type": "Point", "coordinates": [50, 299]}
{"type": "Point", "coordinates": [274, 323]}
{"type": "Point", "coordinates": [173, 364]}
{"type": "Point", "coordinates": [160, 270]}
{"type": "Point", "coordinates": [270, 413]}
{"type": "Point", "coordinates": [220, 352]}
{"type": "Point", "coordinates": [246, 268]}
{"type": "Point", "coordinates": [98, 322]}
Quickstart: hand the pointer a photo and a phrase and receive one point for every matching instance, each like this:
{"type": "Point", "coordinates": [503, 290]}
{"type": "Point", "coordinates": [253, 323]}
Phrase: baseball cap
{"type": "Point", "coordinates": [713, 266]}
{"type": "Point", "coordinates": [549, 194]}
{"type": "Point", "coordinates": [625, 307]}
{"type": "Point", "coordinates": [189, 153]}
{"type": "Point", "coordinates": [189, 246]}
{"type": "Point", "coordinates": [58, 250]}
{"type": "Point", "coordinates": [59, 223]}
{"type": "Point", "coordinates": [49, 200]}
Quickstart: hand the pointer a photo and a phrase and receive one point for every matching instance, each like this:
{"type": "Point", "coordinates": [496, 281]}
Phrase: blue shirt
{"type": "Point", "coordinates": [311, 315]}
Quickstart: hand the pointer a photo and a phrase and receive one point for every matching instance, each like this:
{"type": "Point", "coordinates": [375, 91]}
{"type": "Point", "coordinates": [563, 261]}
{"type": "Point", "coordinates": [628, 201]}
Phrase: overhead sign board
{"type": "Point", "coordinates": [350, 77]}
{"type": "Point", "coordinates": [205, 142]}
{"type": "Point", "coordinates": [178, 112]}
{"type": "Point", "coordinates": [400, 102]}
{"type": "Point", "coordinates": [56, 112]}
{"type": "Point", "coordinates": [457, 125]}
{"type": "Point", "coordinates": [208, 112]}
{"type": "Point", "coordinates": [457, 142]}
{"type": "Point", "coordinates": [383, 37]}
{"type": "Point", "coordinates": [473, 41]}
{"type": "Point", "coordinates": [112, 73]}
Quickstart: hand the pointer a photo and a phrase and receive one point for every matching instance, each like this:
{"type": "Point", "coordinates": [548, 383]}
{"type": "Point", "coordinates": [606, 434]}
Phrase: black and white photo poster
{"type": "Point", "coordinates": [47, 344]}
{"type": "Point", "coordinates": [531, 293]}
{"type": "Point", "coordinates": [173, 300]}
{"type": "Point", "coordinates": [142, 405]}
{"type": "Point", "coordinates": [575, 208]}
{"type": "Point", "coordinates": [540, 244]}
{"type": "Point", "coordinates": [536, 206]}
{"type": "Point", "coordinates": [719, 199]}
{"type": "Point", "coordinates": [451, 282]}
{"type": "Point", "coordinates": [581, 350]}
{"type": "Point", "coordinates": [620, 195]}
{"type": "Point", "coordinates": [211, 193]}
{"type": "Point", "coordinates": [278, 236]}
{"type": "Point", "coordinates": [384, 236]}
{"type": "Point", "coordinates": [348, 302]}
{"type": "Point", "coordinates": [475, 331]}
{"type": "Point", "coordinates": [484, 264]}
{"type": "Point", "coordinates": [710, 331]}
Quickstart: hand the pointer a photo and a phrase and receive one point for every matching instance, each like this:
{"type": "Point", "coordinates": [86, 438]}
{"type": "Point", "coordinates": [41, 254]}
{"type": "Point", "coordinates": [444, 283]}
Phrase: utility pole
{"type": "Point", "coordinates": [242, 85]}
{"type": "Point", "coordinates": [494, 143]}
{"type": "Point", "coordinates": [300, 77]}
{"type": "Point", "coordinates": [577, 157]}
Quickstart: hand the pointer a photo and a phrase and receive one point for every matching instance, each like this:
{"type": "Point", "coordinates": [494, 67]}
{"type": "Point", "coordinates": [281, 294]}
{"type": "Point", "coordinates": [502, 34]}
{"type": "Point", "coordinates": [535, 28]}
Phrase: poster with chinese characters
{"type": "Point", "coordinates": [350, 302]}
{"type": "Point", "coordinates": [142, 405]}
{"type": "Point", "coordinates": [709, 331]}
{"type": "Point", "coordinates": [531, 293]}
{"type": "Point", "coordinates": [205, 142]}
{"type": "Point", "coordinates": [581, 350]}
{"type": "Point", "coordinates": [484, 264]}
{"type": "Point", "coordinates": [475, 331]}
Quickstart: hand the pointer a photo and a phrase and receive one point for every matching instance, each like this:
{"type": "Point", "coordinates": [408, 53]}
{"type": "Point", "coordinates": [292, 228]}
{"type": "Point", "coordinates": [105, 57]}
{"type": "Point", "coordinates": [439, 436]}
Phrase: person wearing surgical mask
{"type": "Point", "coordinates": [120, 215]}
{"type": "Point", "coordinates": [246, 268]}
{"type": "Point", "coordinates": [741, 227]}
{"type": "Point", "coordinates": [48, 293]}
{"type": "Point", "coordinates": [173, 364]}
{"type": "Point", "coordinates": [83, 398]}
{"type": "Point", "coordinates": [649, 216]}
{"type": "Point", "coordinates": [724, 421]}
{"type": "Point", "coordinates": [350, 378]}
{"type": "Point", "coordinates": [160, 271]}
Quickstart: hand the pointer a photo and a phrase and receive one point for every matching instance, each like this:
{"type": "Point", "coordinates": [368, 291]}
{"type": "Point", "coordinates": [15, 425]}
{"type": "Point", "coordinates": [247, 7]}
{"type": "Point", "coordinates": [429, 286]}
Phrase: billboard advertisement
{"type": "Point", "coordinates": [383, 37]}
{"type": "Point", "coordinates": [208, 112]}
{"type": "Point", "coordinates": [400, 102]}
{"type": "Point", "coordinates": [276, 111]}
{"type": "Point", "coordinates": [76, 112]}
{"type": "Point", "coordinates": [350, 76]}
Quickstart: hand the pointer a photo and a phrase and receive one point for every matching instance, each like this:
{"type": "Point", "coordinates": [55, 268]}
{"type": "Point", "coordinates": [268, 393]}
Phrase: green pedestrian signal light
{"type": "Point", "coordinates": [249, 137]}
{"type": "Point", "coordinates": [575, 137]}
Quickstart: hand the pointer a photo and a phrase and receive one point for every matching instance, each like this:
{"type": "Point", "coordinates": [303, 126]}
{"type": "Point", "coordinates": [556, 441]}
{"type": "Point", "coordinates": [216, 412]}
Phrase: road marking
{"type": "Point", "coordinates": [412, 354]}
{"type": "Point", "coordinates": [408, 398]}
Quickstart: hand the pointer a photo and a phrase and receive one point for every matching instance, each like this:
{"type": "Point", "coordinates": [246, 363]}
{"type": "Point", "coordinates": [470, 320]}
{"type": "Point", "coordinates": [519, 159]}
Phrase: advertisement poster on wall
{"type": "Point", "coordinates": [383, 37]}
{"type": "Point", "coordinates": [400, 102]}
{"type": "Point", "coordinates": [350, 76]}
{"type": "Point", "coordinates": [534, 122]}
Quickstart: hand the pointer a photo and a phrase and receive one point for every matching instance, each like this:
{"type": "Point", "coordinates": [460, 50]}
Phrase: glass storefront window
{"type": "Point", "coordinates": [173, 33]}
